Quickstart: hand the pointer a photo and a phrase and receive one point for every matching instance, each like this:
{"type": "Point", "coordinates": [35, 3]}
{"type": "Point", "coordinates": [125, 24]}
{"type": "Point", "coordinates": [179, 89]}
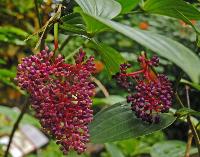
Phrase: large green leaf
{"type": "Point", "coordinates": [100, 8]}
{"type": "Point", "coordinates": [164, 46]}
{"type": "Point", "coordinates": [118, 122]}
{"type": "Point", "coordinates": [111, 58]}
{"type": "Point", "coordinates": [171, 8]}
{"type": "Point", "coordinates": [171, 148]}
{"type": "Point", "coordinates": [128, 5]}
{"type": "Point", "coordinates": [103, 8]}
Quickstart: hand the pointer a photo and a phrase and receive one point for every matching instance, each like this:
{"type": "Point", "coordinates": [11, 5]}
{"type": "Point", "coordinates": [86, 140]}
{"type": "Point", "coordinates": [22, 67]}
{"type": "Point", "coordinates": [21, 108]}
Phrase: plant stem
{"type": "Point", "coordinates": [187, 96]}
{"type": "Point", "coordinates": [38, 13]}
{"type": "Point", "coordinates": [192, 127]}
{"type": "Point", "coordinates": [195, 134]}
{"type": "Point", "coordinates": [15, 127]}
{"type": "Point", "coordinates": [55, 36]}
{"type": "Point", "coordinates": [101, 86]}
{"type": "Point", "coordinates": [179, 100]}
{"type": "Point", "coordinates": [189, 142]}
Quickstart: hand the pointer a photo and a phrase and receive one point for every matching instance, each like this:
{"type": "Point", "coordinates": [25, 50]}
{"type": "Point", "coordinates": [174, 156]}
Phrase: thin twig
{"type": "Point", "coordinates": [101, 86]}
{"type": "Point", "coordinates": [179, 100]}
{"type": "Point", "coordinates": [189, 142]}
{"type": "Point", "coordinates": [187, 95]}
{"type": "Point", "coordinates": [15, 127]}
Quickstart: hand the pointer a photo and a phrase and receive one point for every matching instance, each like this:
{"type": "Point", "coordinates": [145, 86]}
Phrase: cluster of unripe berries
{"type": "Point", "coordinates": [152, 93]}
{"type": "Point", "coordinates": [60, 95]}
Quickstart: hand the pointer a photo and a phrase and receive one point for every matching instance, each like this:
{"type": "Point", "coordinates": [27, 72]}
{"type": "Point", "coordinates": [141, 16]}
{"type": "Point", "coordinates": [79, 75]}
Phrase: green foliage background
{"type": "Point", "coordinates": [114, 31]}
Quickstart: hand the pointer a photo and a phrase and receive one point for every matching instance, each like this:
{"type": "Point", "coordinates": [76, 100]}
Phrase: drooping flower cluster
{"type": "Point", "coordinates": [153, 92]}
{"type": "Point", "coordinates": [60, 95]}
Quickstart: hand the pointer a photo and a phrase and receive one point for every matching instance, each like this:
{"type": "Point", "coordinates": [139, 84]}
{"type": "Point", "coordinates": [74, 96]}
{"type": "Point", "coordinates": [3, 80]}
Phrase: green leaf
{"type": "Point", "coordinates": [23, 5]}
{"type": "Point", "coordinates": [102, 8]}
{"type": "Point", "coordinates": [118, 122]}
{"type": "Point", "coordinates": [186, 111]}
{"type": "Point", "coordinates": [7, 73]}
{"type": "Point", "coordinates": [2, 61]}
{"type": "Point", "coordinates": [112, 99]}
{"type": "Point", "coordinates": [12, 115]}
{"type": "Point", "coordinates": [128, 5]}
{"type": "Point", "coordinates": [72, 23]}
{"type": "Point", "coordinates": [171, 148]}
{"type": "Point", "coordinates": [68, 28]}
{"type": "Point", "coordinates": [14, 35]}
{"type": "Point", "coordinates": [13, 30]}
{"type": "Point", "coordinates": [194, 85]}
{"type": "Point", "coordinates": [113, 150]}
{"type": "Point", "coordinates": [164, 46]}
{"type": "Point", "coordinates": [170, 7]}
{"type": "Point", "coordinates": [111, 58]}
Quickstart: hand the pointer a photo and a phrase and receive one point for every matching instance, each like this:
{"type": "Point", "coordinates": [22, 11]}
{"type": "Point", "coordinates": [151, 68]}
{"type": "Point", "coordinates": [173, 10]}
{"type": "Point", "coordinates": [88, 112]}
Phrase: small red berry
{"type": "Point", "coordinates": [60, 95]}
{"type": "Point", "coordinates": [153, 92]}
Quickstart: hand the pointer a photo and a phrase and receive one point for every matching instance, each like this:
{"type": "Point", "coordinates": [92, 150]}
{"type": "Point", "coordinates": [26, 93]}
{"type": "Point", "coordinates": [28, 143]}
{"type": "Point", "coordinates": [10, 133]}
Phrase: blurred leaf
{"type": "Point", "coordinates": [162, 45]}
{"type": "Point", "coordinates": [118, 122]}
{"type": "Point", "coordinates": [194, 85]}
{"type": "Point", "coordinates": [102, 8]}
{"type": "Point", "coordinates": [185, 111]}
{"type": "Point", "coordinates": [111, 58]}
{"type": "Point", "coordinates": [11, 40]}
{"type": "Point", "coordinates": [186, 20]}
{"type": "Point", "coordinates": [171, 148]}
{"type": "Point", "coordinates": [113, 150]}
{"type": "Point", "coordinates": [7, 73]}
{"type": "Point", "coordinates": [170, 7]}
{"type": "Point", "coordinates": [2, 61]}
{"type": "Point", "coordinates": [112, 99]}
{"type": "Point", "coordinates": [13, 30]}
{"type": "Point", "coordinates": [52, 150]}
{"type": "Point", "coordinates": [23, 5]}
{"type": "Point", "coordinates": [11, 34]}
{"type": "Point", "coordinates": [128, 5]}
{"type": "Point", "coordinates": [12, 115]}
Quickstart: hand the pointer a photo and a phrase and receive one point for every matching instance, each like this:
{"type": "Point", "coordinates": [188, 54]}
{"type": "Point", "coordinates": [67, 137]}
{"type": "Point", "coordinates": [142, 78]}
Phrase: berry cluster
{"type": "Point", "coordinates": [153, 92]}
{"type": "Point", "coordinates": [60, 95]}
